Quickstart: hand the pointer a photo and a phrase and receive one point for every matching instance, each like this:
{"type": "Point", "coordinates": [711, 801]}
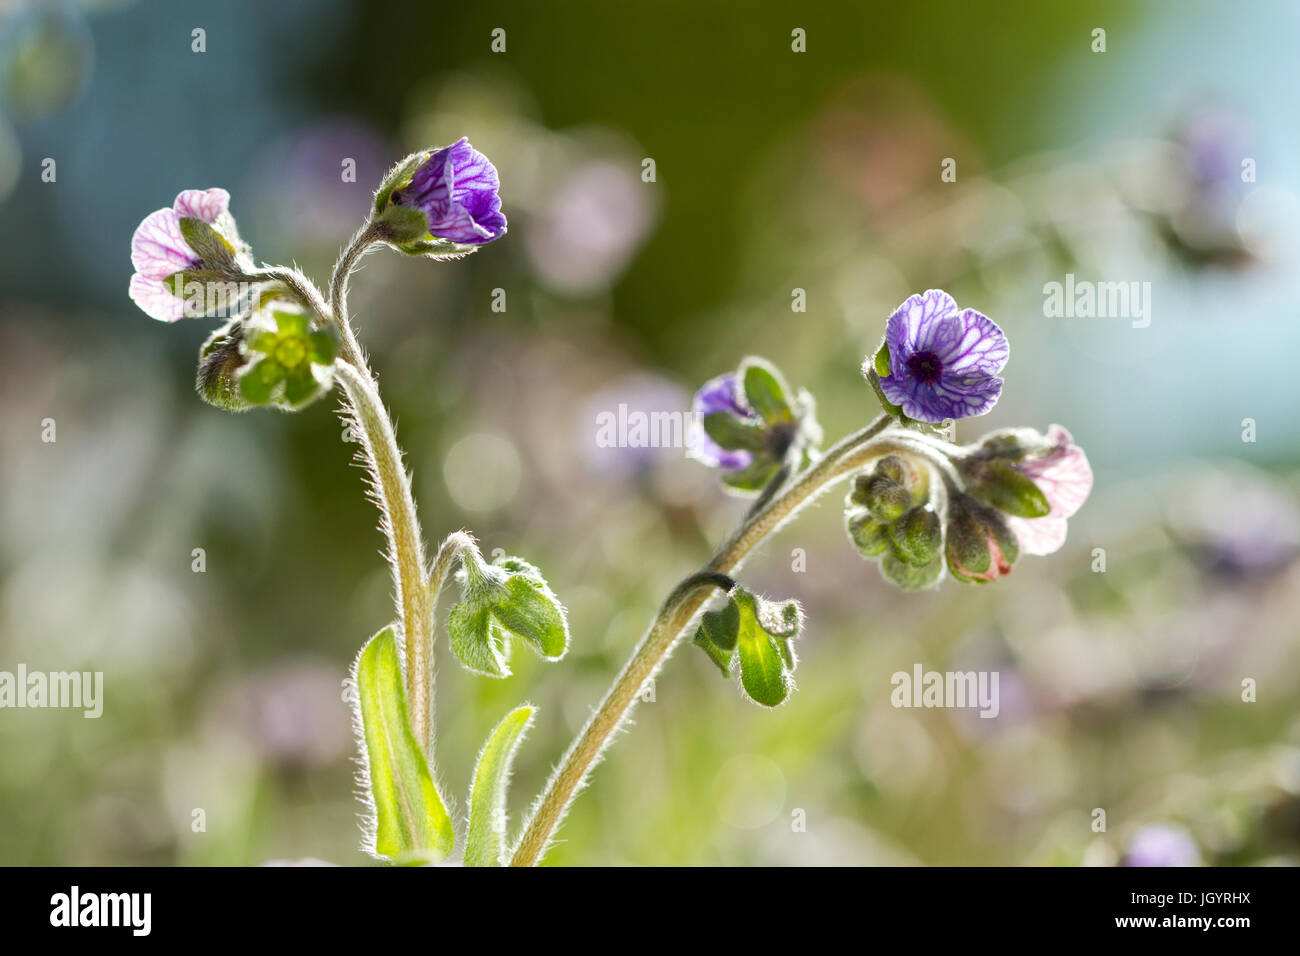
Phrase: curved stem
{"type": "Point", "coordinates": [846, 456]}
{"type": "Point", "coordinates": [405, 541]}
{"type": "Point", "coordinates": [360, 244]}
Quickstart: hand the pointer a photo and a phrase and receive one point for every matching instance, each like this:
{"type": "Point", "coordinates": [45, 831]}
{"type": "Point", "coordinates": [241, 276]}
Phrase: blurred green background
{"type": "Point", "coordinates": [775, 170]}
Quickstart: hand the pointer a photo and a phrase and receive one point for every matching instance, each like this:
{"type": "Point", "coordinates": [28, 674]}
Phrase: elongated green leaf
{"type": "Point", "coordinates": [487, 797]}
{"type": "Point", "coordinates": [763, 671]}
{"type": "Point", "coordinates": [411, 824]}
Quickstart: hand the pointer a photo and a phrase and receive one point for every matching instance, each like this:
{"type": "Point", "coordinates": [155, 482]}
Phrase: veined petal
{"type": "Point", "coordinates": [1063, 474]}
{"type": "Point", "coordinates": [205, 204]}
{"type": "Point", "coordinates": [157, 301]}
{"type": "Point", "coordinates": [158, 249]}
{"type": "Point", "coordinates": [1038, 535]}
{"type": "Point", "coordinates": [911, 319]}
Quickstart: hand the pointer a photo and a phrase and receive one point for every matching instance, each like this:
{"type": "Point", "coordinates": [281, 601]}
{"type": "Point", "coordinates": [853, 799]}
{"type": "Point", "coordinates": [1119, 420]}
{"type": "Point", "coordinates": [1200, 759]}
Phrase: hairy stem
{"type": "Point", "coordinates": [361, 243]}
{"type": "Point", "coordinates": [686, 601]}
{"type": "Point", "coordinates": [405, 541]}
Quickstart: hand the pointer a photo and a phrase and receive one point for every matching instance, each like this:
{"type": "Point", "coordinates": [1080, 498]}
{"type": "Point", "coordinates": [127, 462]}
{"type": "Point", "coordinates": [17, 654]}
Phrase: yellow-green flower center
{"type": "Point", "coordinates": [290, 352]}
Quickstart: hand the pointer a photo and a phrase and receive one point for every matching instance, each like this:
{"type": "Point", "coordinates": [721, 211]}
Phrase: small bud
{"type": "Point", "coordinates": [911, 577]}
{"type": "Point", "coordinates": [917, 537]}
{"type": "Point", "coordinates": [980, 545]}
{"type": "Point", "coordinates": [868, 534]}
{"type": "Point", "coordinates": [441, 203]}
{"type": "Point", "coordinates": [759, 635]}
{"type": "Point", "coordinates": [220, 361]}
{"type": "Point", "coordinates": [884, 497]}
{"type": "Point", "coordinates": [506, 598]}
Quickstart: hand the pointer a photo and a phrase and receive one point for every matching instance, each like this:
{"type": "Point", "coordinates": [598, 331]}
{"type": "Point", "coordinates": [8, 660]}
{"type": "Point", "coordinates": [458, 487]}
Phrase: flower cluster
{"type": "Point", "coordinates": [928, 507]}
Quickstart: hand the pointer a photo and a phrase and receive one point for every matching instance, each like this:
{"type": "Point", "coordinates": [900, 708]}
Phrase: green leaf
{"type": "Point", "coordinates": [530, 611]}
{"type": "Point", "coordinates": [209, 245]}
{"type": "Point", "coordinates": [411, 824]}
{"type": "Point", "coordinates": [477, 640]}
{"type": "Point", "coordinates": [729, 432]}
{"type": "Point", "coordinates": [765, 392]}
{"type": "Point", "coordinates": [762, 663]}
{"type": "Point", "coordinates": [717, 635]}
{"type": "Point", "coordinates": [484, 845]}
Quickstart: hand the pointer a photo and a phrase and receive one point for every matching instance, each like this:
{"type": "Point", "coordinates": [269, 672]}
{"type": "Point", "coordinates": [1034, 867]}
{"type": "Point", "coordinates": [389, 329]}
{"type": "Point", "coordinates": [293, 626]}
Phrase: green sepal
{"type": "Point", "coordinates": [881, 362]}
{"type": "Point", "coordinates": [399, 225]}
{"type": "Point", "coordinates": [1008, 490]}
{"type": "Point", "coordinates": [410, 823]}
{"type": "Point", "coordinates": [485, 843]}
{"type": "Point", "coordinates": [210, 246]}
{"type": "Point", "coordinates": [755, 477]}
{"type": "Point", "coordinates": [729, 432]}
{"type": "Point", "coordinates": [398, 177]}
{"type": "Point", "coordinates": [766, 392]}
{"type": "Point", "coordinates": [258, 380]}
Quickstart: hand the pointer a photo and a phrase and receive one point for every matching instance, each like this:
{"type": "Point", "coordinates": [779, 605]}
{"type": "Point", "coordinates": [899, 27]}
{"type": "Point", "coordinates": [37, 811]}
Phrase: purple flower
{"type": "Point", "coordinates": [1062, 473]}
{"type": "Point", "coordinates": [721, 394]}
{"type": "Point", "coordinates": [456, 189]}
{"type": "Point", "coordinates": [158, 250]}
{"type": "Point", "coordinates": [943, 362]}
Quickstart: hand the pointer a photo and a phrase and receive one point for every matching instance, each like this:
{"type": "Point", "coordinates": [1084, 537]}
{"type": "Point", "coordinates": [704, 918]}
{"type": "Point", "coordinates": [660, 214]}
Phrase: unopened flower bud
{"type": "Point", "coordinates": [917, 537]}
{"type": "Point", "coordinates": [868, 534]}
{"type": "Point", "coordinates": [220, 361]}
{"type": "Point", "coordinates": [884, 497]}
{"type": "Point", "coordinates": [980, 546]}
{"type": "Point", "coordinates": [911, 577]}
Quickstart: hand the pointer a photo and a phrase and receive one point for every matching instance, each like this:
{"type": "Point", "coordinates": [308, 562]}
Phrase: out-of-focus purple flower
{"type": "Point", "coordinates": [456, 189]}
{"type": "Point", "coordinates": [158, 250]}
{"type": "Point", "coordinates": [1062, 473]}
{"type": "Point", "coordinates": [595, 216]}
{"type": "Point", "coordinates": [721, 394]}
{"type": "Point", "coordinates": [943, 361]}
{"type": "Point", "coordinates": [1162, 844]}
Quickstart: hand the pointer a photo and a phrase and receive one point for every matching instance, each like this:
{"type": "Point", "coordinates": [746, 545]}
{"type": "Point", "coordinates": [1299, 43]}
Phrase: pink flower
{"type": "Point", "coordinates": [159, 251]}
{"type": "Point", "coordinates": [1061, 471]}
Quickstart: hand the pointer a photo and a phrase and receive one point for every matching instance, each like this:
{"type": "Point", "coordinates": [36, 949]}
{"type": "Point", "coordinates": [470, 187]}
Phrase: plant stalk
{"type": "Point", "coordinates": [846, 456]}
